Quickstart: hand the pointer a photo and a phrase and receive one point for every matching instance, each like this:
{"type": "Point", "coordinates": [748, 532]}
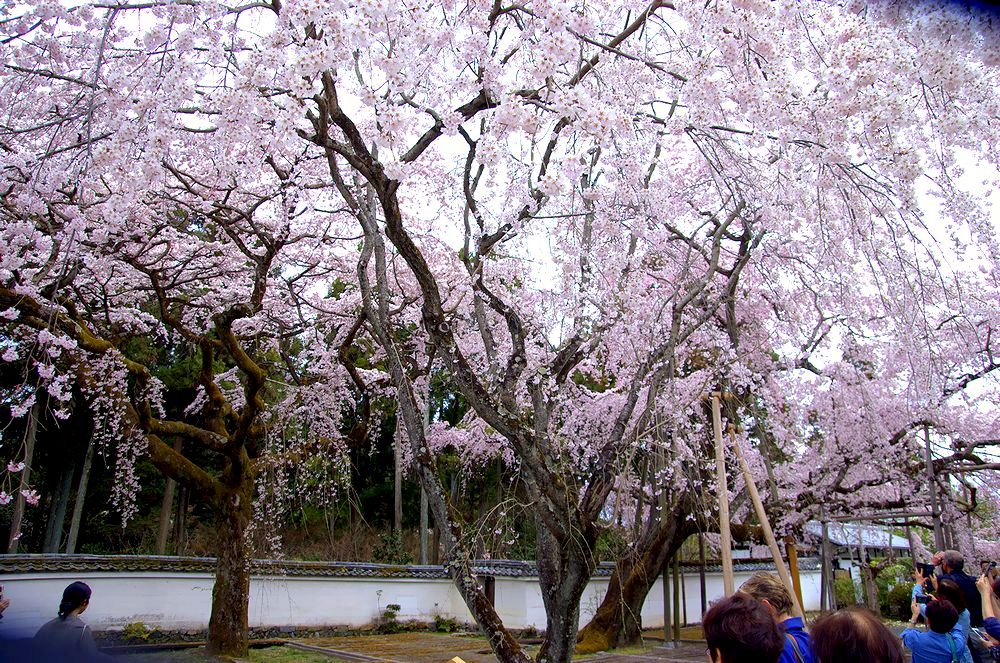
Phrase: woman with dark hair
{"type": "Point", "coordinates": [943, 642]}
{"type": "Point", "coordinates": [949, 590]}
{"type": "Point", "coordinates": [854, 635]}
{"type": "Point", "coordinates": [67, 637]}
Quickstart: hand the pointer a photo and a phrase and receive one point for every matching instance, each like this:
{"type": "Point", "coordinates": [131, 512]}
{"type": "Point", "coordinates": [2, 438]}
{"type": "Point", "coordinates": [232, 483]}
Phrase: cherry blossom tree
{"type": "Point", "coordinates": [825, 191]}
{"type": "Point", "coordinates": [586, 215]}
{"type": "Point", "coordinates": [121, 226]}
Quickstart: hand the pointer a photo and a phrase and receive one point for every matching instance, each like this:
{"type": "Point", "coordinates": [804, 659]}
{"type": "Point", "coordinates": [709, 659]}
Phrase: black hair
{"type": "Point", "coordinates": [941, 616]}
{"type": "Point", "coordinates": [948, 590]}
{"type": "Point", "coordinates": [742, 630]}
{"type": "Point", "coordinates": [75, 595]}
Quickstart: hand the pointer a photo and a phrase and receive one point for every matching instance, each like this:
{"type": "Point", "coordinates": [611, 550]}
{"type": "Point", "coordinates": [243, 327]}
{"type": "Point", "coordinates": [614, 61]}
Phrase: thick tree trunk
{"type": "Point", "coordinates": [563, 572]}
{"type": "Point", "coordinates": [57, 515]}
{"type": "Point", "coordinates": [80, 499]}
{"type": "Point", "coordinates": [618, 620]}
{"type": "Point", "coordinates": [228, 626]}
{"type": "Point", "coordinates": [180, 522]}
{"type": "Point", "coordinates": [166, 511]}
{"type": "Point", "coordinates": [167, 507]}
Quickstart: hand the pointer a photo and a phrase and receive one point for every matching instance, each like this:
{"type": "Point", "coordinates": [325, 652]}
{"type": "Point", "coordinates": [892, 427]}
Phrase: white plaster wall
{"type": "Point", "coordinates": [179, 601]}
{"type": "Point", "coordinates": [182, 601]}
{"type": "Point", "coordinates": [652, 609]}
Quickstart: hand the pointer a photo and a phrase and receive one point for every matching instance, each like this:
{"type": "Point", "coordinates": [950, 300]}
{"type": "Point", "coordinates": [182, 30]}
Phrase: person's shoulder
{"type": "Point", "coordinates": [793, 624]}
{"type": "Point", "coordinates": [48, 626]}
{"type": "Point", "coordinates": [59, 624]}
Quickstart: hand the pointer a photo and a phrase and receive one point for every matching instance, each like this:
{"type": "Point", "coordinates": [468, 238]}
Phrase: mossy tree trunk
{"type": "Point", "coordinates": [228, 626]}
{"type": "Point", "coordinates": [618, 620]}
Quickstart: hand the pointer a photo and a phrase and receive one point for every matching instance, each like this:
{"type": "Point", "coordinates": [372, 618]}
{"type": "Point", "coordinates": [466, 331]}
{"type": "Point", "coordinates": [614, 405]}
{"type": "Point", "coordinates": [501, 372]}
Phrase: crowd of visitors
{"type": "Point", "coordinates": [757, 624]}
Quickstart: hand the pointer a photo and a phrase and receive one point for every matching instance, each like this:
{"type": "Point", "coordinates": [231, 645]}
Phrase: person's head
{"type": "Point", "coordinates": [75, 599]}
{"type": "Point", "coordinates": [996, 588]}
{"type": "Point", "coordinates": [948, 590]}
{"type": "Point", "coordinates": [854, 635]}
{"type": "Point", "coordinates": [767, 588]}
{"type": "Point", "coordinates": [952, 561]}
{"type": "Point", "coordinates": [739, 629]}
{"type": "Point", "coordinates": [941, 616]}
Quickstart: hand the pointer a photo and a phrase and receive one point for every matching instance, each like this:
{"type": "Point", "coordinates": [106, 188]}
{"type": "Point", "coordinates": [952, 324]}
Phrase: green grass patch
{"type": "Point", "coordinates": [276, 654]}
{"type": "Point", "coordinates": [287, 655]}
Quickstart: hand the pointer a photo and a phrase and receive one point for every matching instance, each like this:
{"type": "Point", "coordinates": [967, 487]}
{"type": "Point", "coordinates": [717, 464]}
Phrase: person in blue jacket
{"type": "Point", "coordinates": [943, 642]}
{"type": "Point", "coordinates": [769, 590]}
{"type": "Point", "coordinates": [948, 590]}
{"type": "Point", "coordinates": [989, 592]}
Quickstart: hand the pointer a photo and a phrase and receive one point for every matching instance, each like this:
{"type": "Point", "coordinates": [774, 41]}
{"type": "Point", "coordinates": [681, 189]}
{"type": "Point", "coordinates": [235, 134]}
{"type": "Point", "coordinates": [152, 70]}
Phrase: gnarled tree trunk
{"type": "Point", "coordinates": [618, 620]}
{"type": "Point", "coordinates": [563, 571]}
{"type": "Point", "coordinates": [228, 626]}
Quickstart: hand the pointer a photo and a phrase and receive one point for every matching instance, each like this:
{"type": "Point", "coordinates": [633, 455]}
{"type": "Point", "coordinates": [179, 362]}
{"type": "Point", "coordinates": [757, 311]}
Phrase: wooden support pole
{"type": "Point", "coordinates": [827, 598]}
{"type": "Point", "coordinates": [397, 480]}
{"type": "Point", "coordinates": [793, 566]}
{"type": "Point", "coordinates": [932, 489]}
{"type": "Point", "coordinates": [765, 524]}
{"type": "Point", "coordinates": [424, 504]}
{"type": "Point", "coordinates": [661, 462]}
{"type": "Point", "coordinates": [677, 597]}
{"type": "Point", "coordinates": [885, 515]}
{"type": "Point", "coordinates": [726, 539]}
{"type": "Point", "coordinates": [701, 573]}
{"type": "Point", "coordinates": [684, 599]}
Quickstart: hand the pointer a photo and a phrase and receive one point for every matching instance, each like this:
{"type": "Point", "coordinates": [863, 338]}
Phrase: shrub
{"type": "Point", "coordinates": [390, 550]}
{"type": "Point", "coordinates": [137, 632]}
{"type": "Point", "coordinates": [445, 624]}
{"type": "Point", "coordinates": [845, 591]}
{"type": "Point", "coordinates": [887, 580]}
{"type": "Point", "coordinates": [388, 624]}
{"type": "Point", "coordinates": [898, 602]}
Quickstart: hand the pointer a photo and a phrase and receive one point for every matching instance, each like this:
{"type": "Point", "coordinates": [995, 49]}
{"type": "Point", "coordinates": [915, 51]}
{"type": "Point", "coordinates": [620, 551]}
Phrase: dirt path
{"type": "Point", "coordinates": [405, 647]}
{"type": "Point", "coordinates": [440, 647]}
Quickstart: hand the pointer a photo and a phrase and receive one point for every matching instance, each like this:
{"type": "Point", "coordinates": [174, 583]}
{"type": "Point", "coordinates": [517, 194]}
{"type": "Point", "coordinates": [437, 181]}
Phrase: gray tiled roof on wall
{"type": "Point", "coordinates": [264, 567]}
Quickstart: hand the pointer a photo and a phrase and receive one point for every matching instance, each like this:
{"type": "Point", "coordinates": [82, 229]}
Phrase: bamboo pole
{"type": "Point", "coordinates": [726, 539]}
{"type": "Point", "coordinates": [765, 524]}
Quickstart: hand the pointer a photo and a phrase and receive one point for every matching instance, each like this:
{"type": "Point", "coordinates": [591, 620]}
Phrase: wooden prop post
{"type": "Point", "coordinates": [793, 566]}
{"type": "Point", "coordinates": [827, 596]}
{"type": "Point", "coordinates": [765, 524]}
{"type": "Point", "coordinates": [726, 539]}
